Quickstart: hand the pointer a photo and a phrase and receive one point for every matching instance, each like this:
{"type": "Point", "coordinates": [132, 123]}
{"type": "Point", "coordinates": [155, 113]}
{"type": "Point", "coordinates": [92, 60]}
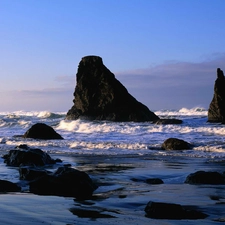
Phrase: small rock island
{"type": "Point", "coordinates": [100, 96]}
{"type": "Point", "coordinates": [216, 112]}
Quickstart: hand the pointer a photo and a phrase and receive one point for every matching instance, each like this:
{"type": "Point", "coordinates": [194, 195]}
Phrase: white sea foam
{"type": "Point", "coordinates": [197, 111]}
{"type": "Point", "coordinates": [114, 138]}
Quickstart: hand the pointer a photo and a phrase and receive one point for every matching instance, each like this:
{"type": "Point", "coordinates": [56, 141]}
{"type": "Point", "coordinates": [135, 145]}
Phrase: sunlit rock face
{"type": "Point", "coordinates": [100, 96]}
{"type": "Point", "coordinates": [216, 112]}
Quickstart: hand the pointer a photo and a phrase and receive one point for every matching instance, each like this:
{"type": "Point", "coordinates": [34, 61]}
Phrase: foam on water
{"type": "Point", "coordinates": [104, 137]}
{"type": "Point", "coordinates": [197, 111]}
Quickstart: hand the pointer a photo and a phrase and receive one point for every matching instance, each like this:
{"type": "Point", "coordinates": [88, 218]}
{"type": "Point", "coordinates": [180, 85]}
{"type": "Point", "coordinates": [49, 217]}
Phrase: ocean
{"type": "Point", "coordinates": [120, 155]}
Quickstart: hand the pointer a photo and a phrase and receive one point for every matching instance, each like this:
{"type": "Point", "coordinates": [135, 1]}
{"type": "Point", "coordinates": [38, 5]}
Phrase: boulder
{"type": "Point", "coordinates": [67, 182]}
{"type": "Point", "coordinates": [154, 181]}
{"type": "Point", "coordinates": [168, 121]}
{"type": "Point", "coordinates": [216, 112]}
{"type": "Point", "coordinates": [161, 210]}
{"type": "Point", "coordinates": [175, 144]}
{"type": "Point", "coordinates": [7, 186]}
{"type": "Point", "coordinates": [100, 96]}
{"type": "Point", "coordinates": [202, 177]}
{"type": "Point", "coordinates": [42, 131]}
{"type": "Point", "coordinates": [27, 173]}
{"type": "Point", "coordinates": [25, 156]}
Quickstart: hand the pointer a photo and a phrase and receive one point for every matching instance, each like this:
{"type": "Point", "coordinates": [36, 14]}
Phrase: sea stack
{"type": "Point", "coordinates": [100, 96]}
{"type": "Point", "coordinates": [216, 112]}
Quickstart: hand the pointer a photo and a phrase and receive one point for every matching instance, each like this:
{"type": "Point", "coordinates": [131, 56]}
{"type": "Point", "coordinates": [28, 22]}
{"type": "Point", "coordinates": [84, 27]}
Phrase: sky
{"type": "Point", "coordinates": [165, 52]}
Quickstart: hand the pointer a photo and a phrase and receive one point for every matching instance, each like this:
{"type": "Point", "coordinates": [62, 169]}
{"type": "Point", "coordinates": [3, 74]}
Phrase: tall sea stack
{"type": "Point", "coordinates": [100, 96]}
{"type": "Point", "coordinates": [216, 112]}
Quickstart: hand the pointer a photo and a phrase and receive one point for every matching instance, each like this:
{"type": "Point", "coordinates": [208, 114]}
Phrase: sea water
{"type": "Point", "coordinates": [120, 156]}
{"type": "Point", "coordinates": [116, 138]}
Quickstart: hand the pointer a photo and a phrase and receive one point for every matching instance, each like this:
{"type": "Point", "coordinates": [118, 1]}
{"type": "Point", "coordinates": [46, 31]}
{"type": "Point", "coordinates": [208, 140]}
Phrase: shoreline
{"type": "Point", "coordinates": [119, 198]}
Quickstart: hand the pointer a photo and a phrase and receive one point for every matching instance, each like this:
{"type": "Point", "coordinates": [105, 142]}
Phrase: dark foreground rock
{"type": "Point", "coordinates": [168, 121]}
{"type": "Point", "coordinates": [25, 156]}
{"type": "Point", "coordinates": [216, 112]}
{"type": "Point", "coordinates": [42, 131]}
{"type": "Point", "coordinates": [154, 181]}
{"type": "Point", "coordinates": [7, 186]}
{"type": "Point", "coordinates": [100, 96]}
{"type": "Point", "coordinates": [160, 210]}
{"type": "Point", "coordinates": [29, 173]}
{"type": "Point", "coordinates": [67, 182]}
{"type": "Point", "coordinates": [202, 177]}
{"type": "Point", "coordinates": [175, 144]}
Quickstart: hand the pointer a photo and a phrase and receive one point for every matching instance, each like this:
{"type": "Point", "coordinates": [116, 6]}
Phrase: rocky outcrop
{"type": "Point", "coordinates": [203, 177]}
{"type": "Point", "coordinates": [216, 112]}
{"type": "Point", "coordinates": [175, 144]}
{"type": "Point", "coordinates": [42, 131]}
{"type": "Point", "coordinates": [25, 156]}
{"type": "Point", "coordinates": [66, 182]}
{"type": "Point", "coordinates": [100, 96]}
{"type": "Point", "coordinates": [161, 210]}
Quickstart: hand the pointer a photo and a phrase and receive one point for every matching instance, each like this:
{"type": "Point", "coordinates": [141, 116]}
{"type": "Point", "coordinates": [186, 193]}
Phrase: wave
{"type": "Point", "coordinates": [51, 115]}
{"type": "Point", "coordinates": [196, 111]}
{"type": "Point", "coordinates": [34, 114]}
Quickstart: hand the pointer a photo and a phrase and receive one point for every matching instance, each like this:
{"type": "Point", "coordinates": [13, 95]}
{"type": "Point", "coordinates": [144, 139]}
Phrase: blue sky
{"type": "Point", "coordinates": [165, 52]}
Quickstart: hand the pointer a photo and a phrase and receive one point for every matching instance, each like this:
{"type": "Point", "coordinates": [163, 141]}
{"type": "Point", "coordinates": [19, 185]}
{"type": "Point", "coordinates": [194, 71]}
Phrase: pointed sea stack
{"type": "Point", "coordinates": [100, 96]}
{"type": "Point", "coordinates": [216, 112]}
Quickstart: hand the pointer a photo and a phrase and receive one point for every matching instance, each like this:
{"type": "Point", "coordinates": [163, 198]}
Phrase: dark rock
{"type": "Point", "coordinates": [202, 177]}
{"type": "Point", "coordinates": [100, 96]}
{"type": "Point", "coordinates": [27, 173]}
{"type": "Point", "coordinates": [160, 210]}
{"type": "Point", "coordinates": [168, 121]}
{"type": "Point", "coordinates": [91, 214]}
{"type": "Point", "coordinates": [216, 112]}
{"type": "Point", "coordinates": [42, 131]}
{"type": "Point", "coordinates": [154, 181]}
{"type": "Point", "coordinates": [64, 182]}
{"type": "Point", "coordinates": [175, 144]}
{"type": "Point", "coordinates": [27, 157]}
{"type": "Point", "coordinates": [7, 186]}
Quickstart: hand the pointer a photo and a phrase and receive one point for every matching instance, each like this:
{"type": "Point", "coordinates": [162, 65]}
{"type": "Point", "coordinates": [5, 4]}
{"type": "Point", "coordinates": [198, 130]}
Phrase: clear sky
{"type": "Point", "coordinates": [165, 52]}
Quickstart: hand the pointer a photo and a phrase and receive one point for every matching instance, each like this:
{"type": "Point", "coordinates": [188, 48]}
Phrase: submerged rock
{"type": "Point", "coordinates": [161, 210]}
{"type": "Point", "coordinates": [202, 177]}
{"type": "Point", "coordinates": [26, 156]}
{"type": "Point", "coordinates": [154, 181]}
{"type": "Point", "coordinates": [175, 144]}
{"type": "Point", "coordinates": [100, 96]}
{"type": "Point", "coordinates": [64, 182]}
{"type": "Point", "coordinates": [42, 131]}
{"type": "Point", "coordinates": [216, 112]}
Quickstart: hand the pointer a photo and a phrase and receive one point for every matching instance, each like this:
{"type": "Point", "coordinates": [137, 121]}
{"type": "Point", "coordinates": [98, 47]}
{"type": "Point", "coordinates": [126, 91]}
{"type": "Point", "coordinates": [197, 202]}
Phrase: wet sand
{"type": "Point", "coordinates": [123, 193]}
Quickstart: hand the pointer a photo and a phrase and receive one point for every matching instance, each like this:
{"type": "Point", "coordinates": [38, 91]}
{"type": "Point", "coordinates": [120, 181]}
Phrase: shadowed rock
{"type": "Point", "coordinates": [202, 177]}
{"type": "Point", "coordinates": [27, 173]}
{"type": "Point", "coordinates": [7, 186]}
{"type": "Point", "coordinates": [168, 121]}
{"type": "Point", "coordinates": [42, 131]}
{"type": "Point", "coordinates": [64, 182]}
{"type": "Point", "coordinates": [175, 144]}
{"type": "Point", "coordinates": [100, 96]}
{"type": "Point", "coordinates": [161, 210]}
{"type": "Point", "coordinates": [27, 157]}
{"type": "Point", "coordinates": [216, 112]}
